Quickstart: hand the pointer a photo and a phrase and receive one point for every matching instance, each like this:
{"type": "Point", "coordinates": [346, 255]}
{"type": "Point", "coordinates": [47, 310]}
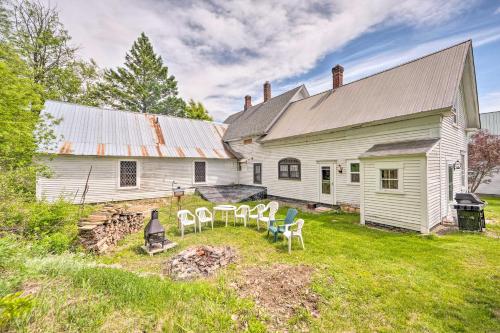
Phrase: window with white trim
{"type": "Point", "coordinates": [128, 174]}
{"type": "Point", "coordinates": [354, 172]}
{"type": "Point", "coordinates": [257, 173]}
{"type": "Point", "coordinates": [200, 175]}
{"type": "Point", "coordinates": [389, 179]}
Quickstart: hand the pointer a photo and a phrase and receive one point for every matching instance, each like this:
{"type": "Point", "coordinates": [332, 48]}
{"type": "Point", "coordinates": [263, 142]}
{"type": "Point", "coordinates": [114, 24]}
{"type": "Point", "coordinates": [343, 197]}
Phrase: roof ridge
{"type": "Point", "coordinates": [389, 69]}
{"type": "Point", "coordinates": [406, 63]}
{"type": "Point", "coordinates": [133, 112]}
{"type": "Point", "coordinates": [260, 104]}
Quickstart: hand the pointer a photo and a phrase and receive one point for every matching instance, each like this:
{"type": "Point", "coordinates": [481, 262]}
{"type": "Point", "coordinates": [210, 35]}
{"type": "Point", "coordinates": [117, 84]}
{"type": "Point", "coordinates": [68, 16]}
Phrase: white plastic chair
{"type": "Point", "coordinates": [186, 218]}
{"type": "Point", "coordinates": [204, 215]}
{"type": "Point", "coordinates": [289, 234]}
{"type": "Point", "coordinates": [272, 207]}
{"type": "Point", "coordinates": [256, 213]}
{"type": "Point", "coordinates": [242, 214]}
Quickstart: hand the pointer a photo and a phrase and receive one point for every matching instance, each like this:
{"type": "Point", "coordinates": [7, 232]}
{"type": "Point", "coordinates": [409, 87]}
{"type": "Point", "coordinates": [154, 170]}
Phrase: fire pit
{"type": "Point", "coordinates": [154, 236]}
{"type": "Point", "coordinates": [199, 261]}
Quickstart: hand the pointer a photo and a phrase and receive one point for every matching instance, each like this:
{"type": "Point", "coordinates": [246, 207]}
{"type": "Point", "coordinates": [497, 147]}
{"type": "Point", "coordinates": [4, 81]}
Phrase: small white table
{"type": "Point", "coordinates": [225, 209]}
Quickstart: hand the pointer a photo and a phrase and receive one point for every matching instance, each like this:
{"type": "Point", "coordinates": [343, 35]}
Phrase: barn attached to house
{"type": "Point", "coordinates": [393, 144]}
{"type": "Point", "coordinates": [132, 155]}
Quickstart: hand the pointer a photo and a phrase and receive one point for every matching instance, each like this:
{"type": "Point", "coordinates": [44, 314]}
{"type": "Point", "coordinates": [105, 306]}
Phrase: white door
{"type": "Point", "coordinates": [326, 186]}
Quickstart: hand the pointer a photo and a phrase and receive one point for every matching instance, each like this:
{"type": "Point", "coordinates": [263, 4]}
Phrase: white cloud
{"type": "Point", "coordinates": [497, 11]}
{"type": "Point", "coordinates": [359, 68]}
{"type": "Point", "coordinates": [222, 50]}
{"type": "Point", "coordinates": [490, 102]}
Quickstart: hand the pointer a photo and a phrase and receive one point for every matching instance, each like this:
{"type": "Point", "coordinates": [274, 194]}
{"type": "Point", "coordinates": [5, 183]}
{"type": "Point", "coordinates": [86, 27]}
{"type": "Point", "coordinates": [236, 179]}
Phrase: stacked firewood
{"type": "Point", "coordinates": [103, 229]}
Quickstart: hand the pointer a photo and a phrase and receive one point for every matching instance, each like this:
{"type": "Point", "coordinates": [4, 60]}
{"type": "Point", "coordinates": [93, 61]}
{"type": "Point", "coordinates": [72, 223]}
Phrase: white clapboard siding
{"type": "Point", "coordinates": [434, 186]}
{"type": "Point", "coordinates": [405, 210]}
{"type": "Point", "coordinates": [453, 143]}
{"type": "Point", "coordinates": [69, 174]}
{"type": "Point", "coordinates": [339, 147]}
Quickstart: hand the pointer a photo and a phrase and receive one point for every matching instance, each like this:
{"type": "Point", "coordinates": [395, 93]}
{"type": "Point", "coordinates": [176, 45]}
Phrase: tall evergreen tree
{"type": "Point", "coordinates": [196, 110]}
{"type": "Point", "coordinates": [143, 84]}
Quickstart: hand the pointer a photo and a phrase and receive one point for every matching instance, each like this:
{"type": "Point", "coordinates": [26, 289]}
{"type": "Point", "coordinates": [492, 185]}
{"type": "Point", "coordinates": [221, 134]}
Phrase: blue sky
{"type": "Point", "coordinates": [221, 50]}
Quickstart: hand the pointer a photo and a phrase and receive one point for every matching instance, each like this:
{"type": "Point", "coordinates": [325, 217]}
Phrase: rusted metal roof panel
{"type": "Point", "coordinates": [425, 84]}
{"type": "Point", "coordinates": [84, 130]}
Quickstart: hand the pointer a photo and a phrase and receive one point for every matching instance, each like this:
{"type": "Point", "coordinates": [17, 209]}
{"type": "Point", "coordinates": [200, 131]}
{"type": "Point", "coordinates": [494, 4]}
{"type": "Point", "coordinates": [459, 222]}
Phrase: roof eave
{"type": "Point", "coordinates": [367, 124]}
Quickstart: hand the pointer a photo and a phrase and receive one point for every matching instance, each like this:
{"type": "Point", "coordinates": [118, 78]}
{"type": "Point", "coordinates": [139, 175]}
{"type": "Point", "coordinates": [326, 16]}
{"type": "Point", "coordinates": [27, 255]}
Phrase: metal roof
{"type": "Point", "coordinates": [490, 121]}
{"type": "Point", "coordinates": [255, 120]}
{"type": "Point", "coordinates": [85, 130]}
{"type": "Point", "coordinates": [410, 147]}
{"type": "Point", "coordinates": [425, 84]}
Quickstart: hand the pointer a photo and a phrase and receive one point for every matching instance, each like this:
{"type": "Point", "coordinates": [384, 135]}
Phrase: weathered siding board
{"type": "Point", "coordinates": [397, 209]}
{"type": "Point", "coordinates": [156, 175]}
{"type": "Point", "coordinates": [339, 146]}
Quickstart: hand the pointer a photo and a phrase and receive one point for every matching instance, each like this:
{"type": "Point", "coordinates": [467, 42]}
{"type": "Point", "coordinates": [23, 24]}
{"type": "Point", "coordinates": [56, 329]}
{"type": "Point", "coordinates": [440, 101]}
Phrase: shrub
{"type": "Point", "coordinates": [13, 306]}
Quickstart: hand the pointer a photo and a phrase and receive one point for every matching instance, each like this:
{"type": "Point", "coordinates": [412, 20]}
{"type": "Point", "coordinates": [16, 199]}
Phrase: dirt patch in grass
{"type": "Point", "coordinates": [283, 291]}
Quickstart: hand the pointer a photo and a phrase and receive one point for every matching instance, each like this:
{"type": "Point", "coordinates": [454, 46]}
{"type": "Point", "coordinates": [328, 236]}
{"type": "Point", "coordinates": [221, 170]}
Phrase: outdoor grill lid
{"type": "Point", "coordinates": [154, 226]}
{"type": "Point", "coordinates": [468, 198]}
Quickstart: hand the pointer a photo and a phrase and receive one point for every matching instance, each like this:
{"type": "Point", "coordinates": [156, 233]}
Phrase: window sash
{"type": "Point", "coordinates": [257, 173]}
{"type": "Point", "coordinates": [389, 179]}
{"type": "Point", "coordinates": [128, 173]}
{"type": "Point", "coordinates": [200, 172]}
{"type": "Point", "coordinates": [354, 171]}
{"type": "Point", "coordinates": [289, 170]}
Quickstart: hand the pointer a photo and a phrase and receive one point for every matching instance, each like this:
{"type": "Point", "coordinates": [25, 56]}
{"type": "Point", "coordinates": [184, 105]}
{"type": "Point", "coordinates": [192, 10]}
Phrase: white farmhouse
{"type": "Point", "coordinates": [393, 144]}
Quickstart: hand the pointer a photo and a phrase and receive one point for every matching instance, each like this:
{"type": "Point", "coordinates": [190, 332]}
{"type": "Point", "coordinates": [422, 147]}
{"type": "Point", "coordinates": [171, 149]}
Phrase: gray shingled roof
{"type": "Point", "coordinates": [411, 147]}
{"type": "Point", "coordinates": [257, 118]}
{"type": "Point", "coordinates": [425, 84]}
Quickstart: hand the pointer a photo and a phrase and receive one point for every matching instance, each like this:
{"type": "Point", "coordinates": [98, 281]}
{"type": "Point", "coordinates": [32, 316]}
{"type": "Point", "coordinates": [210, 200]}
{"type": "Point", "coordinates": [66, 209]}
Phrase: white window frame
{"type": "Point", "coordinates": [194, 172]}
{"type": "Point", "coordinates": [349, 181]}
{"type": "Point", "coordinates": [391, 166]}
{"type": "Point", "coordinates": [138, 175]}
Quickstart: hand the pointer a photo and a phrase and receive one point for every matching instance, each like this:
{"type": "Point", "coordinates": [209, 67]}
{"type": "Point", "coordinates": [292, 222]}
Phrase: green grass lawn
{"type": "Point", "coordinates": [366, 279]}
{"type": "Point", "coordinates": [492, 213]}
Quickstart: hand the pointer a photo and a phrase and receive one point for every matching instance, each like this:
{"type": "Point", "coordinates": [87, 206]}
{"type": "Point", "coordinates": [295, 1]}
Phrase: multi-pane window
{"type": "Point", "coordinates": [354, 172]}
{"type": "Point", "coordinates": [200, 172]}
{"type": "Point", "coordinates": [289, 168]}
{"type": "Point", "coordinates": [389, 179]}
{"type": "Point", "coordinates": [257, 173]}
{"type": "Point", "coordinates": [128, 173]}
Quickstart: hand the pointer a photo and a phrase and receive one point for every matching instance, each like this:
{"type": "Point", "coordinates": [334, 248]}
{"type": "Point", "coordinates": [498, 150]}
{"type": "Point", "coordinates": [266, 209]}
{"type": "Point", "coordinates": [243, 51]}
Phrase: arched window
{"type": "Point", "coordinates": [289, 168]}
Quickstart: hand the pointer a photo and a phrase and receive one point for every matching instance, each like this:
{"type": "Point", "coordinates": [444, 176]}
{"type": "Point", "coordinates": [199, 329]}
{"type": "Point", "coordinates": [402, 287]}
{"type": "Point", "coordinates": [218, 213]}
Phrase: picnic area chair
{"type": "Point", "coordinates": [186, 218]}
{"type": "Point", "coordinates": [276, 229]}
{"type": "Point", "coordinates": [242, 214]}
{"type": "Point", "coordinates": [256, 212]}
{"type": "Point", "coordinates": [204, 215]}
{"type": "Point", "coordinates": [272, 207]}
{"type": "Point", "coordinates": [289, 234]}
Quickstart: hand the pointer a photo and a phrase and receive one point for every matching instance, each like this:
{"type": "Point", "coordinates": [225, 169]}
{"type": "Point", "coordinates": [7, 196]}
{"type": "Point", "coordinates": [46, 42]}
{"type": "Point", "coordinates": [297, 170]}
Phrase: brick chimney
{"type": "Point", "coordinates": [338, 76]}
{"type": "Point", "coordinates": [267, 91]}
{"type": "Point", "coordinates": [248, 102]}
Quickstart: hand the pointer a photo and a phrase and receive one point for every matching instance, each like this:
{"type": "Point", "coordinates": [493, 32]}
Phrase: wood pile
{"type": "Point", "coordinates": [199, 261]}
{"type": "Point", "coordinates": [103, 229]}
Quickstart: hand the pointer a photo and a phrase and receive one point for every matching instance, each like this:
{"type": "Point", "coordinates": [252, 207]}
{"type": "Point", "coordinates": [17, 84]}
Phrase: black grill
{"type": "Point", "coordinates": [470, 211]}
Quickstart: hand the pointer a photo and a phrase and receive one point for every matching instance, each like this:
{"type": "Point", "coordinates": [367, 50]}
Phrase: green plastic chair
{"type": "Point", "coordinates": [276, 229]}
